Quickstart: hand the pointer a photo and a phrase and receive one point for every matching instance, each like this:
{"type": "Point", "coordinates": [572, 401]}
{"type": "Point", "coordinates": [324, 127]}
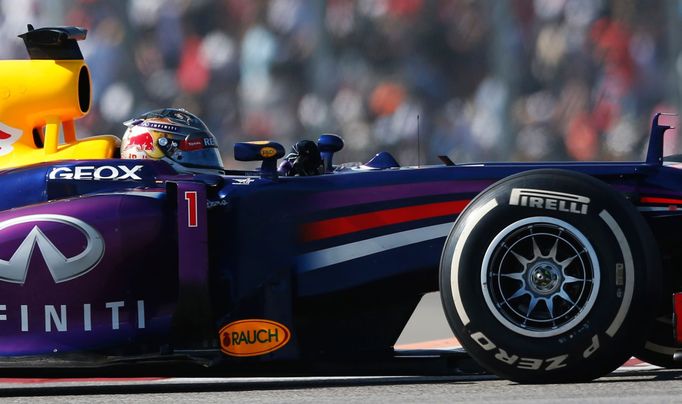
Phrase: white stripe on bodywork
{"type": "Point", "coordinates": [657, 209]}
{"type": "Point", "coordinates": [472, 220]}
{"type": "Point", "coordinates": [148, 194]}
{"type": "Point", "coordinates": [629, 273]}
{"type": "Point", "coordinates": [346, 252]}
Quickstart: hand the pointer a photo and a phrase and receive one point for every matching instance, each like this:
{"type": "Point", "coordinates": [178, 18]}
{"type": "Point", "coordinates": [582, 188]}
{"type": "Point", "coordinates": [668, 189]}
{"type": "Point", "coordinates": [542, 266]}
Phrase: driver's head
{"type": "Point", "coordinates": [173, 135]}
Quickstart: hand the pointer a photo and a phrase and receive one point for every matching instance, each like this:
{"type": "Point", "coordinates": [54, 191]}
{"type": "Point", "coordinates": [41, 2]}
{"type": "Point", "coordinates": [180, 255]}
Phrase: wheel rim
{"type": "Point", "coordinates": [540, 276]}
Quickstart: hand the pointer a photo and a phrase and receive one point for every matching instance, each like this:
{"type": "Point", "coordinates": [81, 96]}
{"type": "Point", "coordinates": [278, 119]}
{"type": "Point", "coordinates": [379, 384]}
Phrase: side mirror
{"type": "Point", "coordinates": [329, 144]}
{"type": "Point", "coordinates": [265, 151]}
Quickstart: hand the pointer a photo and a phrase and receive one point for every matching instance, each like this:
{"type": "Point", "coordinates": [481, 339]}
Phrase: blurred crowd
{"type": "Point", "coordinates": [474, 80]}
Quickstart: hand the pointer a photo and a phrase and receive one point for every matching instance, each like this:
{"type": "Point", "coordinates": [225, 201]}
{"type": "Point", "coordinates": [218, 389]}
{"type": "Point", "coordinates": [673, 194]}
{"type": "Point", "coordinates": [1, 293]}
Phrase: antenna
{"type": "Point", "coordinates": [418, 145]}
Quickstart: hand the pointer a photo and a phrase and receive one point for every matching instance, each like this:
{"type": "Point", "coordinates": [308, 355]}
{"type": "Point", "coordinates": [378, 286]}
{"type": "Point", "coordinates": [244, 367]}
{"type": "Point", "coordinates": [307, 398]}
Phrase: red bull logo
{"type": "Point", "coordinates": [144, 141]}
{"type": "Point", "coordinates": [8, 136]}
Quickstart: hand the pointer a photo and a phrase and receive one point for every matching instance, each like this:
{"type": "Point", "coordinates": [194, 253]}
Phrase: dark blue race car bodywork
{"type": "Point", "coordinates": [251, 271]}
{"type": "Point", "coordinates": [340, 259]}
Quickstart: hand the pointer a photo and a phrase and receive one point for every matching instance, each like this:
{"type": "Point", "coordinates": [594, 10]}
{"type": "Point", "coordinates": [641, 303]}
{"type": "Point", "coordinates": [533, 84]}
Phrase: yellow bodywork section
{"type": "Point", "coordinates": [92, 148]}
{"type": "Point", "coordinates": [46, 95]}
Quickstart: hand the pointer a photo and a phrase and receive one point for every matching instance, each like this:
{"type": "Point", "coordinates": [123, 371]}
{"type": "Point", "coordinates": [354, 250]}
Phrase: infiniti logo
{"type": "Point", "coordinates": [62, 268]}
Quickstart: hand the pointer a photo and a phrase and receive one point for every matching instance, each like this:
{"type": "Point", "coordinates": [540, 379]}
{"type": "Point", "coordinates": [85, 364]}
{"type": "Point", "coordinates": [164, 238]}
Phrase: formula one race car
{"type": "Point", "coordinates": [551, 272]}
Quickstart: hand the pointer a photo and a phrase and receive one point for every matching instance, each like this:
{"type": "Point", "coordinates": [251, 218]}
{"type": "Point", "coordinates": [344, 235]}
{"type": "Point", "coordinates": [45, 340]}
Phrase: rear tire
{"type": "Point", "coordinates": [660, 345]}
{"type": "Point", "coordinates": [550, 276]}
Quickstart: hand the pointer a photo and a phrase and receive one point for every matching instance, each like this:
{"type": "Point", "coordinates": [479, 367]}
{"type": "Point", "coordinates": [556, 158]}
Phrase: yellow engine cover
{"type": "Point", "coordinates": [46, 94]}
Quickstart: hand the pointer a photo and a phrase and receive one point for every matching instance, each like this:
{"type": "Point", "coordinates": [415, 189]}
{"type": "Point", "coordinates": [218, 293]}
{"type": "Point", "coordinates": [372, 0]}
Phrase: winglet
{"type": "Point", "coordinates": [654, 154]}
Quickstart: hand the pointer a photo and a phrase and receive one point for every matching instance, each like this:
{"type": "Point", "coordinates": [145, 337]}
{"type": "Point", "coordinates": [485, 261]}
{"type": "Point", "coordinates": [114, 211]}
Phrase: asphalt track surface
{"type": "Point", "coordinates": [634, 383]}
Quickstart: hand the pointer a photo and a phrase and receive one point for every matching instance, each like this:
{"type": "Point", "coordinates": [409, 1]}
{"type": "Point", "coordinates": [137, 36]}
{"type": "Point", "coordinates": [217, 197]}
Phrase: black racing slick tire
{"type": "Point", "coordinates": [660, 345]}
{"type": "Point", "coordinates": [550, 276]}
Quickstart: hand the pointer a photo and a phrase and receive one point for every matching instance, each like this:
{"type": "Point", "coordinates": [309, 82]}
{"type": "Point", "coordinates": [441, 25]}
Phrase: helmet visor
{"type": "Point", "coordinates": [192, 151]}
{"type": "Point", "coordinates": [203, 158]}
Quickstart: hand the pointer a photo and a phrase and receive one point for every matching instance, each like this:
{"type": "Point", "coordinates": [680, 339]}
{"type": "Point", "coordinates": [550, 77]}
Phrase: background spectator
{"type": "Point", "coordinates": [489, 79]}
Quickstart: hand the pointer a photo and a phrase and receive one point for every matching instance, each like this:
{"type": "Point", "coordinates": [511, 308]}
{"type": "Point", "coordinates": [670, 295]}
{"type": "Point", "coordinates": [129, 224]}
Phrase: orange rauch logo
{"type": "Point", "coordinates": [253, 337]}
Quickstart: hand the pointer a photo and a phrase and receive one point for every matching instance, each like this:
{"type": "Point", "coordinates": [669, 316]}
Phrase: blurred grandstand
{"type": "Point", "coordinates": [490, 79]}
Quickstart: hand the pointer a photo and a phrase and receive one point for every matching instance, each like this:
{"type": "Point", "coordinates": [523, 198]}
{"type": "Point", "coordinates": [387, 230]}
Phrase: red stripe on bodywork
{"type": "Point", "coordinates": [668, 201]}
{"type": "Point", "coordinates": [365, 221]}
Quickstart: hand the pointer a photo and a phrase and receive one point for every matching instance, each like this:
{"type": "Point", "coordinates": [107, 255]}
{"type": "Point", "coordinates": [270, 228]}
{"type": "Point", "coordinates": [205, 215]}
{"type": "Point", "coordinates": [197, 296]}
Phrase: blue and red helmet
{"type": "Point", "coordinates": [174, 135]}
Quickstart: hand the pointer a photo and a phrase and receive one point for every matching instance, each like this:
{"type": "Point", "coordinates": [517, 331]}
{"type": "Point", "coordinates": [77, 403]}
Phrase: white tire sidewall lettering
{"type": "Point", "coordinates": [629, 286]}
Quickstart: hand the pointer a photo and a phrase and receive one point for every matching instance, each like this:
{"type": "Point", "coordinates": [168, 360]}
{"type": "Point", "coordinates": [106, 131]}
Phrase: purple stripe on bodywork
{"type": "Point", "coordinates": [658, 192]}
{"type": "Point", "coordinates": [357, 196]}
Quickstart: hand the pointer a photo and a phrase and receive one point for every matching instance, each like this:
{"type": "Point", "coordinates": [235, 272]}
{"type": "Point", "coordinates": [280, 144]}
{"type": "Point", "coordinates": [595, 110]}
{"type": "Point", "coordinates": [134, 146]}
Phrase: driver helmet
{"type": "Point", "coordinates": [173, 135]}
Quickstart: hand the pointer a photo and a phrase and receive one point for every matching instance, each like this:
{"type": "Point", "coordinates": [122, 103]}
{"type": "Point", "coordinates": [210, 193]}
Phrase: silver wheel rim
{"type": "Point", "coordinates": [540, 277]}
